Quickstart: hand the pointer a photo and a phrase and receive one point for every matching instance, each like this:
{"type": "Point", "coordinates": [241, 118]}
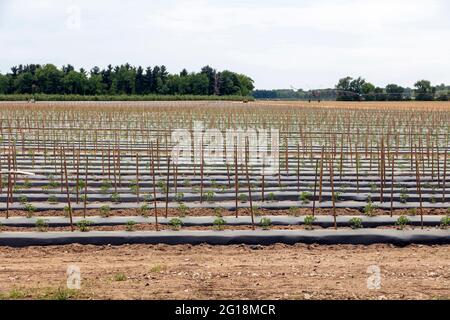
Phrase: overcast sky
{"type": "Point", "coordinates": [279, 43]}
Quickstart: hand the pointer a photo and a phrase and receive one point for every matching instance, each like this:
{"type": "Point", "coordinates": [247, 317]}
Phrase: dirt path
{"type": "Point", "coordinates": [231, 272]}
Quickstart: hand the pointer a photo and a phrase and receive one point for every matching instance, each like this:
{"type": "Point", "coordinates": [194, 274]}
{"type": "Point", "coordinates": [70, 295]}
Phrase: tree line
{"type": "Point", "coordinates": [349, 89]}
{"type": "Point", "coordinates": [122, 80]}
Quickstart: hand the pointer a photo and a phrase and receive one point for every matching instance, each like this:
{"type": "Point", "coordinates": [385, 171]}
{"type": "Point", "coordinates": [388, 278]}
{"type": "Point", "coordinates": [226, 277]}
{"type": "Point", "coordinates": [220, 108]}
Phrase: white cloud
{"type": "Point", "coordinates": [279, 43]}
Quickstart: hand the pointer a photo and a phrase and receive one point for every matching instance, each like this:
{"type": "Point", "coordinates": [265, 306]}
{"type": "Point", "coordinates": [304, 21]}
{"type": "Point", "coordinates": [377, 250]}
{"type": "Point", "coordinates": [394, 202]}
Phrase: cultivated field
{"type": "Point", "coordinates": [362, 156]}
{"type": "Point", "coordinates": [329, 173]}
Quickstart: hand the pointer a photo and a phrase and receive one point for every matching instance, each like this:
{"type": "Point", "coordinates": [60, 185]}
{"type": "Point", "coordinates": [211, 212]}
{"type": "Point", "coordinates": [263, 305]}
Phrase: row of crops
{"type": "Point", "coordinates": [80, 158]}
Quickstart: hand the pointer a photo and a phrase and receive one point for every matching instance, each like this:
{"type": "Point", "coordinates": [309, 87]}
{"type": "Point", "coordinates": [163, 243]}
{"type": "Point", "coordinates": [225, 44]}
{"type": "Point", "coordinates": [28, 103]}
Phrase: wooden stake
{"type": "Point", "coordinates": [167, 186]}
{"type": "Point", "coordinates": [315, 189]}
{"type": "Point", "coordinates": [154, 186]}
{"type": "Point", "coordinates": [85, 186]}
{"type": "Point", "coordinates": [67, 189]}
{"type": "Point", "coordinates": [332, 191]}
{"type": "Point", "coordinates": [249, 187]}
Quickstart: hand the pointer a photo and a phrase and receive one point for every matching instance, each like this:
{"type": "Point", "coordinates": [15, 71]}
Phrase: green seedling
{"type": "Point", "coordinates": [210, 195]}
{"type": "Point", "coordinates": [52, 199]}
{"type": "Point", "coordinates": [402, 222]}
{"type": "Point", "coordinates": [271, 196]}
{"type": "Point", "coordinates": [309, 221]}
{"type": "Point", "coordinates": [445, 222]}
{"type": "Point", "coordinates": [179, 196]}
{"type": "Point", "coordinates": [219, 223]}
{"type": "Point", "coordinates": [41, 225]}
{"type": "Point", "coordinates": [105, 211]}
{"type": "Point", "coordinates": [304, 197]}
{"type": "Point", "coordinates": [175, 224]}
{"type": "Point", "coordinates": [115, 197]}
{"type": "Point", "coordinates": [120, 277]}
{"type": "Point", "coordinates": [130, 225]}
{"type": "Point", "coordinates": [369, 209]}
{"type": "Point", "coordinates": [144, 209]}
{"type": "Point", "coordinates": [23, 199]}
{"type": "Point", "coordinates": [243, 197]}
{"type": "Point", "coordinates": [355, 223]}
{"type": "Point", "coordinates": [265, 223]}
{"type": "Point", "coordinates": [83, 225]}
{"type": "Point", "coordinates": [182, 208]}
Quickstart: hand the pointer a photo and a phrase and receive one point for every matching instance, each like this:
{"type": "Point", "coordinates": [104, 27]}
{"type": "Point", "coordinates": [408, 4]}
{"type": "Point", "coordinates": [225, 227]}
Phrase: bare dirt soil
{"type": "Point", "coordinates": [226, 272]}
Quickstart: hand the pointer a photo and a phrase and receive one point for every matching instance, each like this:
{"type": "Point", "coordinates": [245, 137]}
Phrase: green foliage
{"type": "Point", "coordinates": [41, 225]}
{"type": "Point", "coordinates": [218, 212]}
{"type": "Point", "coordinates": [404, 195]}
{"type": "Point", "coordinates": [108, 97]}
{"type": "Point", "coordinates": [271, 196]}
{"type": "Point", "coordinates": [294, 211]}
{"type": "Point", "coordinates": [30, 209]}
{"type": "Point", "coordinates": [26, 184]}
{"type": "Point", "coordinates": [308, 222]}
{"type": "Point", "coordinates": [256, 211]}
{"type": "Point", "coordinates": [219, 223]}
{"type": "Point", "coordinates": [52, 199]}
{"type": "Point", "coordinates": [84, 197]}
{"type": "Point", "coordinates": [305, 197]}
{"type": "Point", "coordinates": [105, 211]}
{"type": "Point", "coordinates": [162, 186]}
{"type": "Point", "coordinates": [265, 223]}
{"type": "Point", "coordinates": [120, 277]}
{"type": "Point", "coordinates": [210, 195]}
{"type": "Point", "coordinates": [23, 199]}
{"type": "Point", "coordinates": [445, 222]}
{"type": "Point", "coordinates": [182, 208]}
{"type": "Point", "coordinates": [179, 196]}
{"type": "Point", "coordinates": [402, 222]}
{"type": "Point", "coordinates": [83, 225]}
{"type": "Point", "coordinates": [355, 223]}
{"type": "Point", "coordinates": [134, 187]}
{"type": "Point", "coordinates": [115, 197]}
{"type": "Point", "coordinates": [148, 197]}
{"type": "Point", "coordinates": [424, 91]}
{"type": "Point", "coordinates": [130, 225]}
{"type": "Point", "coordinates": [63, 294]}
{"type": "Point", "coordinates": [144, 209]}
{"type": "Point", "coordinates": [369, 209]}
{"type": "Point", "coordinates": [105, 186]}
{"type": "Point", "coordinates": [175, 224]}
{"type": "Point", "coordinates": [66, 211]}
{"type": "Point", "coordinates": [124, 82]}
{"type": "Point", "coordinates": [243, 197]}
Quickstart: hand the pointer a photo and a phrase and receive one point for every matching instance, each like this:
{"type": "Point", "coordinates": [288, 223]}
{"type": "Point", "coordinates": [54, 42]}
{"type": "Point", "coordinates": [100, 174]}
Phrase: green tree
{"type": "Point", "coordinates": [25, 83]}
{"type": "Point", "coordinates": [4, 84]}
{"type": "Point", "coordinates": [394, 92]}
{"type": "Point", "coordinates": [368, 90]}
{"type": "Point", "coordinates": [349, 89]}
{"type": "Point", "coordinates": [75, 82]}
{"type": "Point", "coordinates": [140, 81]}
{"type": "Point", "coordinates": [228, 83]}
{"type": "Point", "coordinates": [424, 91]}
{"type": "Point", "coordinates": [246, 84]}
{"type": "Point", "coordinates": [49, 79]}
{"type": "Point", "coordinates": [199, 84]}
{"type": "Point", "coordinates": [213, 85]}
{"type": "Point", "coordinates": [124, 80]}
